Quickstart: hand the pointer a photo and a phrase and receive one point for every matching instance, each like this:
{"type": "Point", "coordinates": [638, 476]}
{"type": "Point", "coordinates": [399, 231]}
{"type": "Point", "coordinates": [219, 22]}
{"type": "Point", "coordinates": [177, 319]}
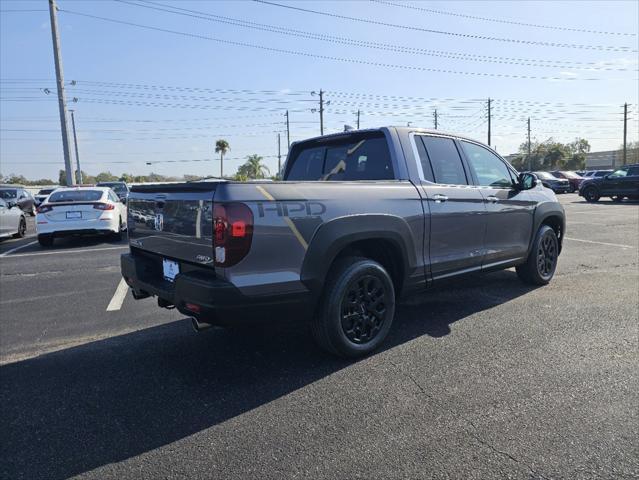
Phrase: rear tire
{"type": "Point", "coordinates": [45, 240]}
{"type": "Point", "coordinates": [356, 310]}
{"type": "Point", "coordinates": [541, 263]}
{"type": "Point", "coordinates": [118, 235]}
{"type": "Point", "coordinates": [591, 194]}
{"type": "Point", "coordinates": [22, 228]}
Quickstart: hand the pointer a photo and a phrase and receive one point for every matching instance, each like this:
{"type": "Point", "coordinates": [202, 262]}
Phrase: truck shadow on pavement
{"type": "Point", "coordinates": [71, 411]}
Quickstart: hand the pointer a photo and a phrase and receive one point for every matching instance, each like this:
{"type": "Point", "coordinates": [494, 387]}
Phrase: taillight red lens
{"type": "Point", "coordinates": [232, 232]}
{"type": "Point", "coordinates": [104, 206]}
{"type": "Point", "coordinates": [44, 208]}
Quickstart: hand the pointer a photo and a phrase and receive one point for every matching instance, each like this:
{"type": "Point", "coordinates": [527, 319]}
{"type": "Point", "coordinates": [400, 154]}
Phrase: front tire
{"type": "Point", "coordinates": [591, 195]}
{"type": "Point", "coordinates": [22, 228]}
{"type": "Point", "coordinates": [541, 263]}
{"type": "Point", "coordinates": [356, 309]}
{"type": "Point", "coordinates": [45, 240]}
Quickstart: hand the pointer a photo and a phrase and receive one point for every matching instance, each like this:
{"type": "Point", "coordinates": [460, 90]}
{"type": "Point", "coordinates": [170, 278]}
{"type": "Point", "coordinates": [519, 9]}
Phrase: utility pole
{"type": "Point", "coordinates": [625, 132]}
{"type": "Point", "coordinates": [435, 115]}
{"type": "Point", "coordinates": [529, 158]}
{"type": "Point", "coordinates": [77, 155]}
{"type": "Point", "coordinates": [357, 119]}
{"type": "Point", "coordinates": [279, 156]}
{"type": "Point", "coordinates": [489, 112]}
{"type": "Point", "coordinates": [321, 109]}
{"type": "Point", "coordinates": [61, 98]}
{"type": "Point", "coordinates": [288, 133]}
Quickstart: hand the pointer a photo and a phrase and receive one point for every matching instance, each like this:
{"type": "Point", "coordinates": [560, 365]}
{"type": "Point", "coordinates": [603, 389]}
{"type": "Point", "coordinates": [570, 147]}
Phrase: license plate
{"type": "Point", "coordinates": [170, 269]}
{"type": "Point", "coordinates": [74, 214]}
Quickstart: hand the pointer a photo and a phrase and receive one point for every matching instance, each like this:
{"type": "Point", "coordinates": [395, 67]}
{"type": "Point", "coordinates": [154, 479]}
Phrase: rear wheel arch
{"type": "Point", "coordinates": [387, 239]}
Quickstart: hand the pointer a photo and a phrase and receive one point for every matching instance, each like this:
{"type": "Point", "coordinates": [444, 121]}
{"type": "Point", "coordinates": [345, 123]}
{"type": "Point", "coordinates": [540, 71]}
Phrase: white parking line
{"type": "Point", "coordinates": [60, 252]}
{"type": "Point", "coordinates": [118, 297]}
{"type": "Point", "coordinates": [17, 248]}
{"type": "Point", "coordinates": [599, 243]}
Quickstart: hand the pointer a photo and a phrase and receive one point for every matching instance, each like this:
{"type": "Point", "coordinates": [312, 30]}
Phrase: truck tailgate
{"type": "Point", "coordinates": [173, 220]}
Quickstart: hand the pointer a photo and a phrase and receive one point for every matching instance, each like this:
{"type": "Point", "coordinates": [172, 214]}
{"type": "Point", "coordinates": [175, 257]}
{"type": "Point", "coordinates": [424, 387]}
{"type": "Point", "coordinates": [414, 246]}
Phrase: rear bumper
{"type": "Point", "coordinates": [81, 227]}
{"type": "Point", "coordinates": [218, 301]}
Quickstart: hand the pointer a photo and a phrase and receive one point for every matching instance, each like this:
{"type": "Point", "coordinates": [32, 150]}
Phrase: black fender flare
{"type": "Point", "coordinates": [337, 234]}
{"type": "Point", "coordinates": [542, 213]}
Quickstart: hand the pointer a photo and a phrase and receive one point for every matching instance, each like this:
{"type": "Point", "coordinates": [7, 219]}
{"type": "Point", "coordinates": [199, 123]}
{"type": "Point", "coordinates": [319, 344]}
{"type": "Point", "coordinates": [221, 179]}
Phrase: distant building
{"type": "Point", "coordinates": [610, 159]}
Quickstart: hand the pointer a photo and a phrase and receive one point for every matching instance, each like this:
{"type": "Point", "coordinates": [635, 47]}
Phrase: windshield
{"type": "Point", "coordinates": [8, 193]}
{"type": "Point", "coordinates": [545, 176]}
{"type": "Point", "coordinates": [76, 196]}
{"type": "Point", "coordinates": [619, 173]}
{"type": "Point", "coordinates": [116, 187]}
{"type": "Point", "coordinates": [571, 175]}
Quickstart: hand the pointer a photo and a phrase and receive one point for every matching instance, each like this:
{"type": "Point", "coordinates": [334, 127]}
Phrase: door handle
{"type": "Point", "coordinates": [492, 198]}
{"type": "Point", "coordinates": [439, 198]}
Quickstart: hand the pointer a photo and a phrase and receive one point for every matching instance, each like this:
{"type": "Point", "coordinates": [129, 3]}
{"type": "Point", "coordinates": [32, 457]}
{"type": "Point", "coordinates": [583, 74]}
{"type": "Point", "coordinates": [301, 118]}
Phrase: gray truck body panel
{"type": "Point", "coordinates": [301, 226]}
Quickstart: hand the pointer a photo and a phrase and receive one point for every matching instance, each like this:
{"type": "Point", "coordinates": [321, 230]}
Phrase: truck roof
{"type": "Point", "coordinates": [401, 129]}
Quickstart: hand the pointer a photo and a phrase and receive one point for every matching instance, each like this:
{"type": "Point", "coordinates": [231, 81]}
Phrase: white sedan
{"type": "Point", "coordinates": [80, 210]}
{"type": "Point", "coordinates": [12, 220]}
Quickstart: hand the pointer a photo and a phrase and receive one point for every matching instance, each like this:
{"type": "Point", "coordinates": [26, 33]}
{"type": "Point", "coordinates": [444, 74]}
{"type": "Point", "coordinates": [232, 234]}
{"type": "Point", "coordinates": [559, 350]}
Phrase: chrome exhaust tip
{"type": "Point", "coordinates": [199, 326]}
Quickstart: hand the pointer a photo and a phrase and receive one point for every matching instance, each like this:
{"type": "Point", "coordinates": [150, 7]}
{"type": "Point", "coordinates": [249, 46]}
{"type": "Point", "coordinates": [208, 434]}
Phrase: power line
{"type": "Point", "coordinates": [497, 20]}
{"type": "Point", "coordinates": [454, 34]}
{"type": "Point", "coordinates": [374, 45]}
{"type": "Point", "coordinates": [328, 57]}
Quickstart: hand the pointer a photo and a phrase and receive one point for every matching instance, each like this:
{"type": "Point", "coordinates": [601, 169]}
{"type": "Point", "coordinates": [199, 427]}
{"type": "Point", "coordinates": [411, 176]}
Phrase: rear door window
{"type": "Point", "coordinates": [355, 157]}
{"type": "Point", "coordinates": [445, 161]}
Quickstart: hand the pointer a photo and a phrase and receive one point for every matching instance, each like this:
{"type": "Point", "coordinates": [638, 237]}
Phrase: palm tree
{"type": "Point", "coordinates": [253, 168]}
{"type": "Point", "coordinates": [221, 147]}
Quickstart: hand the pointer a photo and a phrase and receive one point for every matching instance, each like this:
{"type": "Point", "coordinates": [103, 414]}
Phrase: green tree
{"type": "Point", "coordinates": [221, 147]}
{"type": "Point", "coordinates": [253, 168]}
{"type": "Point", "coordinates": [62, 178]}
{"type": "Point", "coordinates": [105, 177]}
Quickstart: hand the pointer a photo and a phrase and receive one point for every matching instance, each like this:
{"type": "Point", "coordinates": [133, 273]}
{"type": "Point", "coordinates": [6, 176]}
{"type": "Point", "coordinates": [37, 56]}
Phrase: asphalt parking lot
{"type": "Point", "coordinates": [482, 378]}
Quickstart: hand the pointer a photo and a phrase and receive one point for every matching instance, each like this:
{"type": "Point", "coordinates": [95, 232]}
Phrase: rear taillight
{"type": "Point", "coordinates": [232, 233]}
{"type": "Point", "coordinates": [44, 208]}
{"type": "Point", "coordinates": [104, 206]}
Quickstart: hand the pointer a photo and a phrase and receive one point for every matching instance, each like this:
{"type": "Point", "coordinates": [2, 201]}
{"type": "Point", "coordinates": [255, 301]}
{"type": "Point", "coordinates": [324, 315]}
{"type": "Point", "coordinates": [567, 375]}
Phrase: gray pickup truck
{"type": "Point", "coordinates": [361, 219]}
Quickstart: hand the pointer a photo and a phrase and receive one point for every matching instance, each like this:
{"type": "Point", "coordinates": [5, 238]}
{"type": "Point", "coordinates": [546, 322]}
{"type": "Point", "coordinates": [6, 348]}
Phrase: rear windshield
{"type": "Point", "coordinates": [76, 196]}
{"type": "Point", "coordinates": [8, 193]}
{"type": "Point", "coordinates": [352, 157]}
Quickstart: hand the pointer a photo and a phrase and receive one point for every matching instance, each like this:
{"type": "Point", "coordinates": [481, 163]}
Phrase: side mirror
{"type": "Point", "coordinates": [527, 181]}
{"type": "Point", "coordinates": [123, 200]}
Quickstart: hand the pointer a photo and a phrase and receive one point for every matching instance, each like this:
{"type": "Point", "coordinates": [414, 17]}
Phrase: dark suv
{"type": "Point", "coordinates": [620, 184]}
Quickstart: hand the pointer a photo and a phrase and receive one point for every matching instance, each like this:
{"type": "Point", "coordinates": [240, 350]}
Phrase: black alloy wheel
{"type": "Point", "coordinates": [591, 194]}
{"type": "Point", "coordinates": [547, 253]}
{"type": "Point", "coordinates": [364, 309]}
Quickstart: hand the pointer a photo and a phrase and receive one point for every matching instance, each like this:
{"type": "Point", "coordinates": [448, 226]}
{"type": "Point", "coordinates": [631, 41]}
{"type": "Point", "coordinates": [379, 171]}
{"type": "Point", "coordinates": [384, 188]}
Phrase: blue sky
{"type": "Point", "coordinates": [149, 96]}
